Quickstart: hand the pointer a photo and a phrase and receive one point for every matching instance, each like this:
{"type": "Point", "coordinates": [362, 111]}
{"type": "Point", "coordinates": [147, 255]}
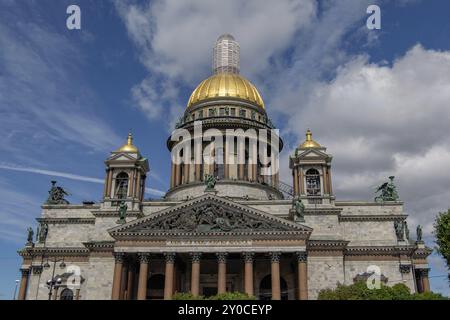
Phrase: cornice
{"type": "Point", "coordinates": [115, 213]}
{"type": "Point", "coordinates": [422, 252]}
{"type": "Point", "coordinates": [99, 245]}
{"type": "Point", "coordinates": [70, 206]}
{"type": "Point", "coordinates": [327, 245]}
{"type": "Point", "coordinates": [344, 203]}
{"type": "Point", "coordinates": [379, 250]}
{"type": "Point", "coordinates": [250, 235]}
{"type": "Point", "coordinates": [374, 217]}
{"type": "Point", "coordinates": [53, 251]}
{"type": "Point", "coordinates": [67, 220]}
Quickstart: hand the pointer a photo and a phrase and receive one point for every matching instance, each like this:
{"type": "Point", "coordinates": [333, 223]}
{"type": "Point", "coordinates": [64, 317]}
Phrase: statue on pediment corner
{"type": "Point", "coordinates": [388, 191]}
{"type": "Point", "coordinates": [57, 195]}
{"type": "Point", "coordinates": [210, 182]}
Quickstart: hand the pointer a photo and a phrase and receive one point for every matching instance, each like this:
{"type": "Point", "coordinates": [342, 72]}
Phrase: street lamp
{"type": "Point", "coordinates": [15, 290]}
{"type": "Point", "coordinates": [53, 282]}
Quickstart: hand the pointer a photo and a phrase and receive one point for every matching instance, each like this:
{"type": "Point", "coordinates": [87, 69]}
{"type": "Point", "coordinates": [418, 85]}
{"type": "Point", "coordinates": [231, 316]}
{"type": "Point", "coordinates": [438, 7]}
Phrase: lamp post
{"type": "Point", "coordinates": [15, 290]}
{"type": "Point", "coordinates": [53, 282]}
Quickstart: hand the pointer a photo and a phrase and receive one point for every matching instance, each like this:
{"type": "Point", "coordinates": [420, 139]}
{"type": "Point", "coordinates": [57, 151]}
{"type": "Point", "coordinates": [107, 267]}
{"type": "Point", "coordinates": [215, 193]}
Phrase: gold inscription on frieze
{"type": "Point", "coordinates": [210, 243]}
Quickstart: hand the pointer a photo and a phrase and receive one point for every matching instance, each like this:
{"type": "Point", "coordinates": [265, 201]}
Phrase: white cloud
{"type": "Point", "coordinates": [379, 120]}
{"type": "Point", "coordinates": [175, 41]}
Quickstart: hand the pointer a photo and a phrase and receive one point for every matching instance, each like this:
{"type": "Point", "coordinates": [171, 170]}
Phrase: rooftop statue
{"type": "Point", "coordinates": [30, 236]}
{"type": "Point", "coordinates": [42, 233]}
{"type": "Point", "coordinates": [388, 191]}
{"type": "Point", "coordinates": [210, 182]}
{"type": "Point", "coordinates": [419, 233]}
{"type": "Point", "coordinates": [122, 212]}
{"type": "Point", "coordinates": [299, 208]}
{"type": "Point", "coordinates": [56, 195]}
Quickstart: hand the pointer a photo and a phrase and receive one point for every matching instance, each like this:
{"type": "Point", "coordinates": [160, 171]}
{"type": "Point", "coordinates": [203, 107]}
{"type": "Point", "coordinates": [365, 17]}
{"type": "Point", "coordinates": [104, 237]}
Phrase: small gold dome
{"type": "Point", "coordinates": [226, 85]}
{"type": "Point", "coordinates": [128, 147]}
{"type": "Point", "coordinates": [309, 142]}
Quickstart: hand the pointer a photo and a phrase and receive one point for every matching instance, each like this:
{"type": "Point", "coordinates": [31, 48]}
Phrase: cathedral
{"type": "Point", "coordinates": [227, 222]}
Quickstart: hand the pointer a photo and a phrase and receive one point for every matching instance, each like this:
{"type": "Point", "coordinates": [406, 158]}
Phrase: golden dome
{"type": "Point", "coordinates": [128, 147]}
{"type": "Point", "coordinates": [226, 85]}
{"type": "Point", "coordinates": [309, 142]}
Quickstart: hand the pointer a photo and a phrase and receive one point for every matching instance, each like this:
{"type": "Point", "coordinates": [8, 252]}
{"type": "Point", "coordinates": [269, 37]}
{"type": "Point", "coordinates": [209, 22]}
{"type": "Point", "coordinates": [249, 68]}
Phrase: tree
{"type": "Point", "coordinates": [442, 232]}
{"type": "Point", "coordinates": [360, 291]}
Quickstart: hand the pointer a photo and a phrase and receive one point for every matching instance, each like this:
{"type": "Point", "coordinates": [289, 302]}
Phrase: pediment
{"type": "Point", "coordinates": [121, 156]}
{"type": "Point", "coordinates": [313, 154]}
{"type": "Point", "coordinates": [210, 215]}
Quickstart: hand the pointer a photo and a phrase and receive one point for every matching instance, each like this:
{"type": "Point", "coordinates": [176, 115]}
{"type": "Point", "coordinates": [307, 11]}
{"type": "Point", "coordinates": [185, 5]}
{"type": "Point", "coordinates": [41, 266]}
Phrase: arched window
{"type": "Point", "coordinates": [66, 294]}
{"type": "Point", "coordinates": [312, 177]}
{"type": "Point", "coordinates": [121, 185]}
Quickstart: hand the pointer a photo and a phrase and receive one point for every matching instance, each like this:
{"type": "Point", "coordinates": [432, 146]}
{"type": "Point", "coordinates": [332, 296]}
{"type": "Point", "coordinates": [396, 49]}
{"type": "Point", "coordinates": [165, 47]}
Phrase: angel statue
{"type": "Point", "coordinates": [210, 182]}
{"type": "Point", "coordinates": [388, 191]}
{"type": "Point", "coordinates": [56, 195]}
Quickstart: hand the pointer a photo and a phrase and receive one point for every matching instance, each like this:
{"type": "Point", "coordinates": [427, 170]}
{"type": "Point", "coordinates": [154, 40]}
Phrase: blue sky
{"type": "Point", "coordinates": [377, 99]}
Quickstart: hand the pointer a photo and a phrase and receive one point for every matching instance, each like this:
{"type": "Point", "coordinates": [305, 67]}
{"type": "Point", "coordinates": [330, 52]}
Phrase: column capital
{"type": "Point", "coordinates": [119, 257]}
{"type": "Point", "coordinates": [423, 272]}
{"type": "Point", "coordinates": [170, 257]}
{"type": "Point", "coordinates": [405, 268]}
{"type": "Point", "coordinates": [37, 269]}
{"type": "Point", "coordinates": [144, 257]}
{"type": "Point", "coordinates": [195, 256]}
{"type": "Point", "coordinates": [24, 271]}
{"type": "Point", "coordinates": [302, 256]}
{"type": "Point", "coordinates": [222, 257]}
{"type": "Point", "coordinates": [248, 256]}
{"type": "Point", "coordinates": [275, 256]}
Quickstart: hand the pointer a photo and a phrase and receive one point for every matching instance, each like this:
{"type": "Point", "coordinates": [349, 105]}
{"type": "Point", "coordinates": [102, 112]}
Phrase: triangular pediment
{"type": "Point", "coordinates": [313, 154]}
{"type": "Point", "coordinates": [121, 156]}
{"type": "Point", "coordinates": [210, 215]}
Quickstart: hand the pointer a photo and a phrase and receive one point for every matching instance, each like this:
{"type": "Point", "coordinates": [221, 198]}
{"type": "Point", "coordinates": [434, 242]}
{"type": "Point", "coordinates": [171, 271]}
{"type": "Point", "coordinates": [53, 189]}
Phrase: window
{"type": "Point", "coordinates": [200, 114]}
{"type": "Point", "coordinates": [66, 294]}
{"type": "Point", "coordinates": [312, 182]}
{"type": "Point", "coordinates": [242, 113]}
{"type": "Point", "coordinates": [222, 112]}
{"type": "Point", "coordinates": [233, 112]}
{"type": "Point", "coordinates": [121, 185]}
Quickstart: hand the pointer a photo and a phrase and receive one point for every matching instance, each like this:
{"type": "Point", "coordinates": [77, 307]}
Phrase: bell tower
{"type": "Point", "coordinates": [126, 171]}
{"type": "Point", "coordinates": [311, 172]}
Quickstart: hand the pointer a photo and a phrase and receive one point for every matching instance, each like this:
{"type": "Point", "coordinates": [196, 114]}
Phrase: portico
{"type": "Point", "coordinates": [206, 274]}
{"type": "Point", "coordinates": [214, 245]}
